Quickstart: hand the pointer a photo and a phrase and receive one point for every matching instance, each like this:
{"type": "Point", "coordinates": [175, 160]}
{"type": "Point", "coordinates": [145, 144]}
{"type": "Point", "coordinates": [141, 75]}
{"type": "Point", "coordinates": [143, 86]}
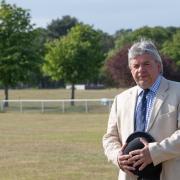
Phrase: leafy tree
{"type": "Point", "coordinates": [170, 69]}
{"type": "Point", "coordinates": [60, 27]}
{"type": "Point", "coordinates": [171, 30]}
{"type": "Point", "coordinates": [172, 48]}
{"type": "Point", "coordinates": [123, 37]}
{"type": "Point", "coordinates": [117, 70]}
{"type": "Point", "coordinates": [76, 58]}
{"type": "Point", "coordinates": [17, 54]}
{"type": "Point", "coordinates": [37, 78]}
{"type": "Point", "coordinates": [106, 41]}
{"type": "Point", "coordinates": [158, 34]}
{"type": "Point", "coordinates": [106, 44]}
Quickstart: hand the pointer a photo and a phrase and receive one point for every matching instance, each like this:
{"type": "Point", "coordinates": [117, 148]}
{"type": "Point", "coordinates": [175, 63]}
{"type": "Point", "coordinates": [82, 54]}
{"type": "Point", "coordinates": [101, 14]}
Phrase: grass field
{"type": "Point", "coordinates": [59, 94]}
{"type": "Point", "coordinates": [53, 147]}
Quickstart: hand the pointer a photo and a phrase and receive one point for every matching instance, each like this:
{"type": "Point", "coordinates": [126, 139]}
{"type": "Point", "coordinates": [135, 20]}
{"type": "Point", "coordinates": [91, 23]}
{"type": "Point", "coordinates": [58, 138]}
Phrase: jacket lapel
{"type": "Point", "coordinates": [159, 99]}
{"type": "Point", "coordinates": [131, 102]}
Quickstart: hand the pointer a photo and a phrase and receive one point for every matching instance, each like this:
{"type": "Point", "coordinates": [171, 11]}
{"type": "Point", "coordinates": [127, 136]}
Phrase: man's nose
{"type": "Point", "coordinates": [141, 68]}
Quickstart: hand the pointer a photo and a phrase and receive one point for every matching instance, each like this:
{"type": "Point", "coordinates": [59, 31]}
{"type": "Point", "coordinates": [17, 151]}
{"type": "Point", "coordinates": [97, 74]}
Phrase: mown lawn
{"type": "Point", "coordinates": [53, 147]}
{"type": "Point", "coordinates": [59, 93]}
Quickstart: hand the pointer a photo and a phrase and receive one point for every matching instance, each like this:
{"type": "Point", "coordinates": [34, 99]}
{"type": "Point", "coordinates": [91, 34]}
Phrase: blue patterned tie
{"type": "Point", "coordinates": [140, 118]}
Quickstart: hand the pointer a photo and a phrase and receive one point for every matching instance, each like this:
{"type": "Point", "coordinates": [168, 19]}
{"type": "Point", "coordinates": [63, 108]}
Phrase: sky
{"type": "Point", "coordinates": [106, 15]}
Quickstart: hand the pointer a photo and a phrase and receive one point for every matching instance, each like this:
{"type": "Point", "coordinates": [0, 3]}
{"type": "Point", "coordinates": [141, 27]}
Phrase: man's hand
{"type": "Point", "coordinates": [123, 161]}
{"type": "Point", "coordinates": [141, 157]}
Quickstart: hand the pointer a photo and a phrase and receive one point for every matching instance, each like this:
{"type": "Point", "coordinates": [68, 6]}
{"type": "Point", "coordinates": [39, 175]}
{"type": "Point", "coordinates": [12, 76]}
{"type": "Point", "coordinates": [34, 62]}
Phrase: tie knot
{"type": "Point", "coordinates": [145, 91]}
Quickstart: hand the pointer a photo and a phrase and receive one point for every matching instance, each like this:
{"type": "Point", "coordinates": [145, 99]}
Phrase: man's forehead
{"type": "Point", "coordinates": [141, 60]}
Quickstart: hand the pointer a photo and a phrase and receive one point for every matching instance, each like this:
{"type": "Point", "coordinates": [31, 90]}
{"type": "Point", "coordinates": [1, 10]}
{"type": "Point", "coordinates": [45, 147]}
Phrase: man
{"type": "Point", "coordinates": [160, 121]}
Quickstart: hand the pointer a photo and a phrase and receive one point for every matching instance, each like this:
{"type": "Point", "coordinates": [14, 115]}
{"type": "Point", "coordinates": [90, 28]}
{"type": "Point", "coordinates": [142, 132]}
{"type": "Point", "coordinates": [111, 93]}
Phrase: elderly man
{"type": "Point", "coordinates": [152, 106]}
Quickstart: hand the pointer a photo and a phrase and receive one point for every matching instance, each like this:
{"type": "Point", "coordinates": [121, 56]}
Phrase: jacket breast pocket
{"type": "Point", "coordinates": [169, 115]}
{"type": "Point", "coordinates": [166, 124]}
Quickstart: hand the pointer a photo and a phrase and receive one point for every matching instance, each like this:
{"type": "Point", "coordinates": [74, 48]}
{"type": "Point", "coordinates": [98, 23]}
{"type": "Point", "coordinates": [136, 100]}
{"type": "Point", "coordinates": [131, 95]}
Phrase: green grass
{"type": "Point", "coordinates": [59, 94]}
{"type": "Point", "coordinates": [53, 147]}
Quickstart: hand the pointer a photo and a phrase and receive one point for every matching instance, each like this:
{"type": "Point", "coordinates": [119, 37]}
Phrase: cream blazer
{"type": "Point", "coordinates": [163, 126]}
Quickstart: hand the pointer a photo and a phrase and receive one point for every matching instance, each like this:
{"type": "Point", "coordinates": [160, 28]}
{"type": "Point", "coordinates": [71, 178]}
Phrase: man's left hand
{"type": "Point", "coordinates": [141, 157]}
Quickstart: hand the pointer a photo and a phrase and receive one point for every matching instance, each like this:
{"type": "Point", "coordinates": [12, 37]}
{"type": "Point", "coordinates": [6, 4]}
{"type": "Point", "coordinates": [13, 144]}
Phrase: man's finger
{"type": "Point", "coordinates": [144, 141]}
{"type": "Point", "coordinates": [123, 147]}
{"type": "Point", "coordinates": [129, 168]}
{"type": "Point", "coordinates": [135, 152]}
{"type": "Point", "coordinates": [139, 162]}
{"type": "Point", "coordinates": [142, 166]}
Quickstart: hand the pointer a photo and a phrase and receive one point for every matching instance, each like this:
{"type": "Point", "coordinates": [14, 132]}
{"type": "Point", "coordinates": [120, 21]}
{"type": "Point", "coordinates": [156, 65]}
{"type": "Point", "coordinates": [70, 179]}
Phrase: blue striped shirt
{"type": "Point", "coordinates": [150, 97]}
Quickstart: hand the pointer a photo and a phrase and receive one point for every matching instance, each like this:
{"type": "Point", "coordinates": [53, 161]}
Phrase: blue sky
{"type": "Point", "coordinates": [107, 15]}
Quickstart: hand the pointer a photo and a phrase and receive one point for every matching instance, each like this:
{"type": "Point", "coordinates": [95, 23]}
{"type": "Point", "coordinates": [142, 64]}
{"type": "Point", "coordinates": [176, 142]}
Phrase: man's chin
{"type": "Point", "coordinates": [143, 84]}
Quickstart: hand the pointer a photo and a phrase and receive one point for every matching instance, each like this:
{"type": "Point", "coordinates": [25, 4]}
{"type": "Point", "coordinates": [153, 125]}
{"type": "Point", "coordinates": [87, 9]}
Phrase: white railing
{"type": "Point", "coordinates": [62, 105]}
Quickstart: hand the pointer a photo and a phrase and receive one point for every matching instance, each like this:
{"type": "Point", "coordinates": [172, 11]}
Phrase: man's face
{"type": "Point", "coordinates": [144, 70]}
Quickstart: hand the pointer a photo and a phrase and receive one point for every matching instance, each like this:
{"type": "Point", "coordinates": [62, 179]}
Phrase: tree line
{"type": "Point", "coordinates": [69, 51]}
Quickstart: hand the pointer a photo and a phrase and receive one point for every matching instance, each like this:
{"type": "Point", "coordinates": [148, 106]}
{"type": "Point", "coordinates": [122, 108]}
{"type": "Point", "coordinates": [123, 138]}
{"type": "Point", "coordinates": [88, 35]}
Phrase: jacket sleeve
{"type": "Point", "coordinates": [111, 140]}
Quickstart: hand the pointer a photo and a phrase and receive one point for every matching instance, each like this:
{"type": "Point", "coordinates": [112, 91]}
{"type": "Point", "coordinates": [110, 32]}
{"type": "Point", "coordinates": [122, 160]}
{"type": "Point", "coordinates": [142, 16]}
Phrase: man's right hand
{"type": "Point", "coordinates": [123, 161]}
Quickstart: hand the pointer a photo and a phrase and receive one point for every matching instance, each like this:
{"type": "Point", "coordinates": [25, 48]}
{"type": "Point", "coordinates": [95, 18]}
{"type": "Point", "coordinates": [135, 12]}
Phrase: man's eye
{"type": "Point", "coordinates": [147, 64]}
{"type": "Point", "coordinates": [136, 66]}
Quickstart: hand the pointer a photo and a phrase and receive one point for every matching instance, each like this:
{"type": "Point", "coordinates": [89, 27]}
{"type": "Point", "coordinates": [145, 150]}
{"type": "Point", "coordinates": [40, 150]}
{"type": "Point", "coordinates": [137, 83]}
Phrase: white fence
{"type": "Point", "coordinates": [63, 105]}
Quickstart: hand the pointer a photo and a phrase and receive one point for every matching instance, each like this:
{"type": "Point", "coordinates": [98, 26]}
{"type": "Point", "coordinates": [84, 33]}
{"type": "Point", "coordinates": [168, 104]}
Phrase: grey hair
{"type": "Point", "coordinates": [144, 47]}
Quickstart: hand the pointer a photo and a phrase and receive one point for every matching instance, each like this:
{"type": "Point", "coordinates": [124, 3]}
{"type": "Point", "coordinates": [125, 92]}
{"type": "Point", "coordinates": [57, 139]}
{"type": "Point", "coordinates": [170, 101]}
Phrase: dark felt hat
{"type": "Point", "coordinates": [133, 143]}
